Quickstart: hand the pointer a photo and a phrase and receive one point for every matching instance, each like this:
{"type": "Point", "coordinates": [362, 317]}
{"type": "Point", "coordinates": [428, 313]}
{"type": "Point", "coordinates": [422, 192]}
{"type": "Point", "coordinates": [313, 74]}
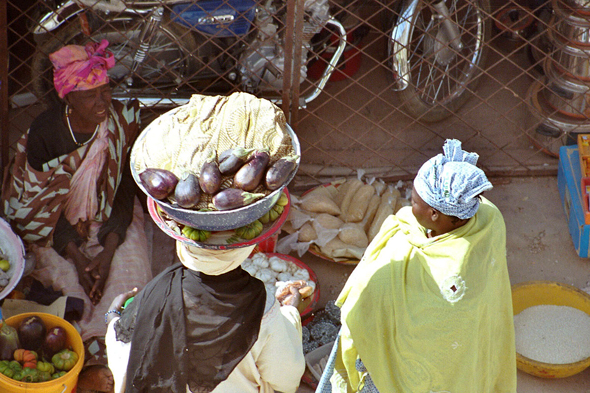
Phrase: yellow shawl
{"type": "Point", "coordinates": [430, 315]}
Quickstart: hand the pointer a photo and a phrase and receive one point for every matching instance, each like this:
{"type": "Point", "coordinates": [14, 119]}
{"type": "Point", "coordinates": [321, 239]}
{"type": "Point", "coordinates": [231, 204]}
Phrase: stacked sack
{"type": "Point", "coordinates": [341, 219]}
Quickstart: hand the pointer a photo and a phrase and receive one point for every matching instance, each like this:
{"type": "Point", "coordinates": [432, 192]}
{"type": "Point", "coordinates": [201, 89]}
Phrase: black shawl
{"type": "Point", "coordinates": [186, 327]}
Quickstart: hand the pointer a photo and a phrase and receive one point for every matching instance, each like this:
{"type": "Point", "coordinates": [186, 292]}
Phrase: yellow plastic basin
{"type": "Point", "coordinates": [536, 293]}
{"type": "Point", "coordinates": [65, 384]}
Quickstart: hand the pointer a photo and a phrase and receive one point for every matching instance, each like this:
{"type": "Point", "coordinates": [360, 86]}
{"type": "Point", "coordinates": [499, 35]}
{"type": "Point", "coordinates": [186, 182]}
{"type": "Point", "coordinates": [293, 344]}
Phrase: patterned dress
{"type": "Point", "coordinates": [35, 190]}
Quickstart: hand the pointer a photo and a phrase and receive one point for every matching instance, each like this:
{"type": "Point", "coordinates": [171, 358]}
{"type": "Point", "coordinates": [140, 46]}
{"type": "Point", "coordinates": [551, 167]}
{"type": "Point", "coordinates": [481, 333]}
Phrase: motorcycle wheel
{"type": "Point", "coordinates": [441, 79]}
{"type": "Point", "coordinates": [168, 64]}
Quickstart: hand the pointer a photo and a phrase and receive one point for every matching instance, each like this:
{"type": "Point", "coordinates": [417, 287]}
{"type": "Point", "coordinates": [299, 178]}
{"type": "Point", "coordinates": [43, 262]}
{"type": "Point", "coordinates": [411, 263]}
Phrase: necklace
{"type": "Point", "coordinates": [72, 132]}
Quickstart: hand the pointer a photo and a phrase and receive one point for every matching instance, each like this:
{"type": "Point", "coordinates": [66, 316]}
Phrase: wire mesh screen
{"type": "Point", "coordinates": [370, 87]}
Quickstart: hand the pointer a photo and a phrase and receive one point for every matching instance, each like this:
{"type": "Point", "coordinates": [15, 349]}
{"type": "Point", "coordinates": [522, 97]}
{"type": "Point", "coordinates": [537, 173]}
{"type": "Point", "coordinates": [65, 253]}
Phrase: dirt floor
{"type": "Point", "coordinates": [539, 248]}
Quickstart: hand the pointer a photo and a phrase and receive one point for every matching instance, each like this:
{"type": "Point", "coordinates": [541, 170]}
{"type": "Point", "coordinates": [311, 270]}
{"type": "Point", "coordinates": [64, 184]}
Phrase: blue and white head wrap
{"type": "Point", "coordinates": [450, 183]}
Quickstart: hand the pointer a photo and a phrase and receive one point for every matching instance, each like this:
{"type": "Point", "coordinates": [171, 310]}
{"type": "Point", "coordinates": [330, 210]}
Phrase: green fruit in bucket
{"type": "Point", "coordinates": [58, 375]}
{"type": "Point", "coordinates": [4, 265]}
{"type": "Point", "coordinates": [64, 360]}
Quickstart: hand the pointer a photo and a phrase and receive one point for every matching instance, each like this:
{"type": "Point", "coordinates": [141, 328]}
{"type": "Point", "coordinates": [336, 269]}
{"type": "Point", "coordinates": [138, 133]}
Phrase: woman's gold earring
{"type": "Point", "coordinates": [69, 110]}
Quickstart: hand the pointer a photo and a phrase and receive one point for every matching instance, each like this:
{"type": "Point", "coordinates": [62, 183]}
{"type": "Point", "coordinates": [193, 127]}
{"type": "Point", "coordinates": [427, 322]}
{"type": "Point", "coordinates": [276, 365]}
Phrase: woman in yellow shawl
{"type": "Point", "coordinates": [428, 308]}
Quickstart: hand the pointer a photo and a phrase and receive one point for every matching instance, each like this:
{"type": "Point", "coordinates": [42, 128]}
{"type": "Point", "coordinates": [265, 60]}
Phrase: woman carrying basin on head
{"type": "Point", "coordinates": [211, 327]}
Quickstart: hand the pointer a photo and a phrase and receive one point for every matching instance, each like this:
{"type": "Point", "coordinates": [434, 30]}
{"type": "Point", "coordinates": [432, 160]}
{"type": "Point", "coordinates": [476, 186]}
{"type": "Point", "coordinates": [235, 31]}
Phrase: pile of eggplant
{"type": "Point", "coordinates": [248, 170]}
{"type": "Point", "coordinates": [246, 232]}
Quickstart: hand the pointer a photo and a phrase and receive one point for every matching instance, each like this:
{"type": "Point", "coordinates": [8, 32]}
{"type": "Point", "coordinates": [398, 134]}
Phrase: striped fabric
{"type": "Point", "coordinates": [32, 201]}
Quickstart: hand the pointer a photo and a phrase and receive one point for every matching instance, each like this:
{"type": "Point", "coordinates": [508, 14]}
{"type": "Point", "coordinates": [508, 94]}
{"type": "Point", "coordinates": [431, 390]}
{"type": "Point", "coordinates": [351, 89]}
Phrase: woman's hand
{"type": "Point", "coordinates": [293, 299]}
{"type": "Point", "coordinates": [81, 262]}
{"type": "Point", "coordinates": [118, 302]}
{"type": "Point", "coordinates": [99, 270]}
{"type": "Point", "coordinates": [100, 266]}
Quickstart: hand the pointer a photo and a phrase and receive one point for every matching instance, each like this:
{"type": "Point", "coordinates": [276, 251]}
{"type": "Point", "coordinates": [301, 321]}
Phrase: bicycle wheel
{"type": "Point", "coordinates": [442, 78]}
{"type": "Point", "coordinates": [167, 64]}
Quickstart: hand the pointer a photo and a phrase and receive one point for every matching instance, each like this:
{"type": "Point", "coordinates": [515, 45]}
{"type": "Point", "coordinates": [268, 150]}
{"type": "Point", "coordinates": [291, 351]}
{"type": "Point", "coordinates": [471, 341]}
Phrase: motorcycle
{"type": "Point", "coordinates": [167, 50]}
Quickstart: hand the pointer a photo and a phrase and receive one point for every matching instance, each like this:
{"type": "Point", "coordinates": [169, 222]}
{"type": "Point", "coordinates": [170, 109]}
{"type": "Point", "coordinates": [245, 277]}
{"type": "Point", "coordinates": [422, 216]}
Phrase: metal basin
{"type": "Point", "coordinates": [581, 6]}
{"type": "Point", "coordinates": [12, 248]}
{"type": "Point", "coordinates": [566, 95]}
{"type": "Point", "coordinates": [221, 220]}
{"type": "Point", "coordinates": [570, 60]}
{"type": "Point", "coordinates": [548, 128]}
{"type": "Point", "coordinates": [570, 25]}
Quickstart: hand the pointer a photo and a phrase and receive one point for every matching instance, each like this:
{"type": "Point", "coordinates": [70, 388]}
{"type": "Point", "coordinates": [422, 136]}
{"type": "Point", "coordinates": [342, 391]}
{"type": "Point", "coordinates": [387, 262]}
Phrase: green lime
{"type": "Point", "coordinates": [4, 265]}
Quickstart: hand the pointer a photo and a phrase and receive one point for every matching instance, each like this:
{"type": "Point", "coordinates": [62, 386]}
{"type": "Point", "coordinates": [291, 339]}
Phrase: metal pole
{"type": "Point", "coordinates": [296, 69]}
{"type": "Point", "coordinates": [288, 67]}
{"type": "Point", "coordinates": [3, 85]}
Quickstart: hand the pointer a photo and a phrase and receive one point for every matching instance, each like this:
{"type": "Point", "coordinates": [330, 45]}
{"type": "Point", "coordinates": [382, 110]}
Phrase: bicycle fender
{"type": "Point", "coordinates": [398, 44]}
{"type": "Point", "coordinates": [54, 19]}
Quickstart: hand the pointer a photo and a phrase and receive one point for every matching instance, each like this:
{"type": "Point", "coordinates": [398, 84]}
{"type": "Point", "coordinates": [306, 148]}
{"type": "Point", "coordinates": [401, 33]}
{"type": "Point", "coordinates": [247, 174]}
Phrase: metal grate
{"type": "Point", "coordinates": [524, 71]}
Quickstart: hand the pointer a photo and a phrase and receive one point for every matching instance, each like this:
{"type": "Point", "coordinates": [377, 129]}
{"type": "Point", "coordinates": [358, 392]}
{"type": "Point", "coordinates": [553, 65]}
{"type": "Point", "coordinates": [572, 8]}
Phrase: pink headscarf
{"type": "Point", "coordinates": [81, 68]}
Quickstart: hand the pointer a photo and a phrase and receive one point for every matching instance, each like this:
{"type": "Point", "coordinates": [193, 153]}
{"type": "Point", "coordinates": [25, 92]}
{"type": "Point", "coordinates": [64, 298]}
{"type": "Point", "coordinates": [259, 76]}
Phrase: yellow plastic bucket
{"type": "Point", "coordinates": [65, 384]}
{"type": "Point", "coordinates": [535, 293]}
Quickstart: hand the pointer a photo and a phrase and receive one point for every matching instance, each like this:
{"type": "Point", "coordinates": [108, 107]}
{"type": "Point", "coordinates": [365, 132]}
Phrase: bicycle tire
{"type": "Point", "coordinates": [420, 99]}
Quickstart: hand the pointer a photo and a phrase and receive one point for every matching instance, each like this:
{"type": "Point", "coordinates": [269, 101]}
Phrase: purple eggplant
{"type": "Point", "coordinates": [249, 176]}
{"type": "Point", "coordinates": [232, 198]}
{"type": "Point", "coordinates": [159, 183]}
{"type": "Point", "coordinates": [55, 341]}
{"type": "Point", "coordinates": [187, 192]}
{"type": "Point", "coordinates": [279, 172]}
{"type": "Point", "coordinates": [31, 332]}
{"type": "Point", "coordinates": [210, 176]}
{"type": "Point", "coordinates": [232, 159]}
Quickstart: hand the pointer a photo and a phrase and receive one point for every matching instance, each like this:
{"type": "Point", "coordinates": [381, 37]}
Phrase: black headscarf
{"type": "Point", "coordinates": [187, 327]}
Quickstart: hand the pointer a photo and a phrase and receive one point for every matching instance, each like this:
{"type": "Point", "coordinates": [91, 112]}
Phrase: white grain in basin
{"type": "Point", "coordinates": [553, 334]}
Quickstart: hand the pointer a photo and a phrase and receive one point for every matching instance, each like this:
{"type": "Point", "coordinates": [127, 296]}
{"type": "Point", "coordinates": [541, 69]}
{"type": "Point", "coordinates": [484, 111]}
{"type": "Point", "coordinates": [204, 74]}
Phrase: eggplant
{"type": "Point", "coordinates": [159, 183]}
{"type": "Point", "coordinates": [280, 171]}
{"type": "Point", "coordinates": [232, 198]}
{"type": "Point", "coordinates": [187, 192]}
{"type": "Point", "coordinates": [249, 176]}
{"type": "Point", "coordinates": [31, 333]}
{"type": "Point", "coordinates": [232, 159]}
{"type": "Point", "coordinates": [55, 341]}
{"type": "Point", "coordinates": [210, 176]}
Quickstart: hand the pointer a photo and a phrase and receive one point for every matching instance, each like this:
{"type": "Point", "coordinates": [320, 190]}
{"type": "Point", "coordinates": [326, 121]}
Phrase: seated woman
{"type": "Point", "coordinates": [211, 327]}
{"type": "Point", "coordinates": [70, 195]}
